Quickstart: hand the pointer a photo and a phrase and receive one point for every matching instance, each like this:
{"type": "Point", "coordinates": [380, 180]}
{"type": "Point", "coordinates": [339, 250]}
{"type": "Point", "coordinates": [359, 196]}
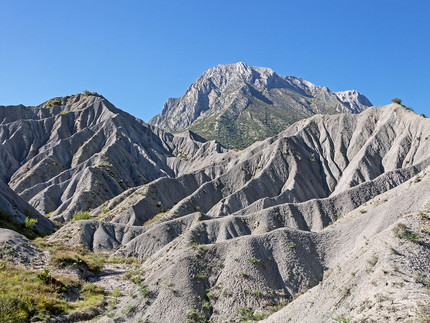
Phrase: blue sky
{"type": "Point", "coordinates": [140, 53]}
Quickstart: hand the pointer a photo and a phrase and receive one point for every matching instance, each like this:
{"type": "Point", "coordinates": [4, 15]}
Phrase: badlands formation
{"type": "Point", "coordinates": [328, 220]}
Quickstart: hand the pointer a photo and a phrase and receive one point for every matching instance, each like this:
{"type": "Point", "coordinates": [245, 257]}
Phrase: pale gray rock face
{"type": "Point", "coordinates": [230, 90]}
{"type": "Point", "coordinates": [356, 101]}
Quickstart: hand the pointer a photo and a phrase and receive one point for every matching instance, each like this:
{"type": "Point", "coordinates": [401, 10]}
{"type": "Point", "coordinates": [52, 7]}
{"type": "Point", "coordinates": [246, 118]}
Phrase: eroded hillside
{"type": "Point", "coordinates": [328, 220]}
{"type": "Point", "coordinates": [238, 238]}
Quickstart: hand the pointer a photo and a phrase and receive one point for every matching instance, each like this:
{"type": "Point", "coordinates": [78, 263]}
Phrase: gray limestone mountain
{"type": "Point", "coordinates": [237, 104]}
{"type": "Point", "coordinates": [327, 220]}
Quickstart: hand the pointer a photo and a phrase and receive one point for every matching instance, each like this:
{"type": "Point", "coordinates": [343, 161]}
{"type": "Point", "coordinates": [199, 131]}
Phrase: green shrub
{"type": "Point", "coordinates": [156, 217]}
{"type": "Point", "coordinates": [255, 260]}
{"type": "Point", "coordinates": [52, 103]}
{"type": "Point", "coordinates": [128, 309]}
{"type": "Point", "coordinates": [7, 222]}
{"type": "Point", "coordinates": [244, 274]}
{"type": "Point", "coordinates": [44, 276]}
{"type": "Point", "coordinates": [422, 279]}
{"type": "Point", "coordinates": [29, 223]}
{"type": "Point", "coordinates": [123, 260]}
{"type": "Point", "coordinates": [373, 260]}
{"type": "Point", "coordinates": [247, 314]}
{"type": "Point", "coordinates": [92, 289]}
{"type": "Point", "coordinates": [81, 216]}
{"type": "Point", "coordinates": [144, 291]}
{"type": "Point", "coordinates": [92, 297]}
{"type": "Point", "coordinates": [206, 306]}
{"type": "Point", "coordinates": [397, 100]}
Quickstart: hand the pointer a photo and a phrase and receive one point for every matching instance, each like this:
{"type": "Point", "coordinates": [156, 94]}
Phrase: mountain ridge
{"type": "Point", "coordinates": [70, 143]}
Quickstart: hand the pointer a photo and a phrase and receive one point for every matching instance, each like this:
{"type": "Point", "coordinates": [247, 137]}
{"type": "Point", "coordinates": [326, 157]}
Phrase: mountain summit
{"type": "Point", "coordinates": [237, 104]}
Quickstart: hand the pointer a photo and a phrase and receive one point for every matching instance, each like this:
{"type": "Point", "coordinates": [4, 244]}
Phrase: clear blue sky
{"type": "Point", "coordinates": [140, 53]}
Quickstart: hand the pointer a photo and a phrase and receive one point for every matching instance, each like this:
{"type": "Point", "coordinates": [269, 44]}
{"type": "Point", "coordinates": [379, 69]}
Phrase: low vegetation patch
{"type": "Point", "coordinates": [196, 317]}
{"type": "Point", "coordinates": [137, 277]}
{"type": "Point", "coordinates": [63, 256]}
{"type": "Point", "coordinates": [244, 274]}
{"type": "Point", "coordinates": [123, 260]}
{"type": "Point", "coordinates": [399, 101]}
{"type": "Point", "coordinates": [27, 295]}
{"type": "Point", "coordinates": [88, 93]}
{"type": "Point", "coordinates": [401, 231]}
{"type": "Point", "coordinates": [81, 216]}
{"type": "Point", "coordinates": [248, 314]}
{"type": "Point", "coordinates": [154, 219]}
{"type": "Point", "coordinates": [342, 319]}
{"type": "Point", "coordinates": [373, 260]}
{"type": "Point", "coordinates": [53, 103]}
{"type": "Point", "coordinates": [201, 275]}
{"type": "Point", "coordinates": [30, 222]}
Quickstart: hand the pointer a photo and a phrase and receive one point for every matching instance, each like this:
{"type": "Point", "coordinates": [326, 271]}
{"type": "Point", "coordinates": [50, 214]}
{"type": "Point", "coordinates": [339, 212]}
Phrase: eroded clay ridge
{"type": "Point", "coordinates": [71, 154]}
{"type": "Point", "coordinates": [250, 229]}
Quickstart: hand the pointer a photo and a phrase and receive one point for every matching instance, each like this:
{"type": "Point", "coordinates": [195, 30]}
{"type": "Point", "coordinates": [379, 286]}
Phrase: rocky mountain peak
{"type": "Point", "coordinates": [354, 99]}
{"type": "Point", "coordinates": [237, 104]}
{"type": "Point", "coordinates": [230, 76]}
